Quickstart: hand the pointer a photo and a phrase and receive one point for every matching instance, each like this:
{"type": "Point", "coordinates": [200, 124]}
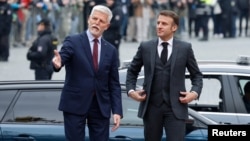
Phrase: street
{"type": "Point", "coordinates": [17, 68]}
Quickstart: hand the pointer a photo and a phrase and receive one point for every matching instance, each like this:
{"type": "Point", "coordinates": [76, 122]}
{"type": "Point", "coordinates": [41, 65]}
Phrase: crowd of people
{"type": "Point", "coordinates": [137, 22]}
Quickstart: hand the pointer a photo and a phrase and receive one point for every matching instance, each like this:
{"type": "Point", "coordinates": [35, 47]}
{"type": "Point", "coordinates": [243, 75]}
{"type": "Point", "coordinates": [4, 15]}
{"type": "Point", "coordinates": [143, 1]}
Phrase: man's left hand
{"type": "Point", "coordinates": [187, 97]}
{"type": "Point", "coordinates": [117, 119]}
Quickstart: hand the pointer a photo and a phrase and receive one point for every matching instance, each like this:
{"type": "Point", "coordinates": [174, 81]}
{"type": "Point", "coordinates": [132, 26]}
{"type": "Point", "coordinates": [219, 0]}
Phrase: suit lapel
{"type": "Point", "coordinates": [174, 54]}
{"type": "Point", "coordinates": [103, 53]}
{"type": "Point", "coordinates": [153, 48]}
{"type": "Point", "coordinates": [86, 48]}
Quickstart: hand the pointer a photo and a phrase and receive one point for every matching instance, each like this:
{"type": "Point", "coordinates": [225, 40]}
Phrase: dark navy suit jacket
{"type": "Point", "coordinates": [82, 81]}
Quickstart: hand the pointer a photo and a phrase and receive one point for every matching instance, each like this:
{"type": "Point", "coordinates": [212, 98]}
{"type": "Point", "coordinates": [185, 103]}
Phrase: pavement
{"type": "Point", "coordinates": [17, 68]}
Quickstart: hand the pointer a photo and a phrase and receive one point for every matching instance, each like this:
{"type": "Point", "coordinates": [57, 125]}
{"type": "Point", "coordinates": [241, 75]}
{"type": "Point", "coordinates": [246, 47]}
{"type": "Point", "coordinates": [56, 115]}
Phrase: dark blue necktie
{"type": "Point", "coordinates": [164, 53]}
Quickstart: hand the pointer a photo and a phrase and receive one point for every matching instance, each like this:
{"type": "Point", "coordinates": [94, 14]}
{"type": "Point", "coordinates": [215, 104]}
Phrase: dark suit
{"type": "Point", "coordinates": [182, 58]}
{"type": "Point", "coordinates": [89, 94]}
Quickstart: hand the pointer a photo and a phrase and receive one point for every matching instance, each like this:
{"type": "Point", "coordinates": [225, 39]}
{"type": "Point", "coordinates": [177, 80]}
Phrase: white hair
{"type": "Point", "coordinates": [103, 9]}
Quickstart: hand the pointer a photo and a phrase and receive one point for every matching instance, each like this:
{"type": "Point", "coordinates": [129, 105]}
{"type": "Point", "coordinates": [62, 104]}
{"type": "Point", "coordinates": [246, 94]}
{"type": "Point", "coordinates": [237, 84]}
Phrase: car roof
{"type": "Point", "coordinates": [222, 66]}
{"type": "Point", "coordinates": [35, 84]}
{"type": "Point", "coordinates": [214, 67]}
{"type": "Point", "coordinates": [30, 84]}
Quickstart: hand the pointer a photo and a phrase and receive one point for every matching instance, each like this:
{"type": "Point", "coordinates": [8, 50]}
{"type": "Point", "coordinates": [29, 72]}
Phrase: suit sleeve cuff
{"type": "Point", "coordinates": [130, 91]}
{"type": "Point", "coordinates": [195, 94]}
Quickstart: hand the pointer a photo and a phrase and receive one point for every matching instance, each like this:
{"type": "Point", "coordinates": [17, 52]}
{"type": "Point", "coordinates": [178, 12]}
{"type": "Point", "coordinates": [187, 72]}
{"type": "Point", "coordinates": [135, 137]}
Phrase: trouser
{"type": "Point", "coordinates": [203, 24]}
{"type": "Point", "coordinates": [217, 24]}
{"type": "Point", "coordinates": [131, 29]}
{"type": "Point", "coordinates": [43, 74]}
{"type": "Point", "coordinates": [159, 117]}
{"type": "Point", "coordinates": [4, 47]}
{"type": "Point", "coordinates": [98, 125]}
{"type": "Point", "coordinates": [229, 25]}
{"type": "Point", "coordinates": [192, 27]}
{"type": "Point", "coordinates": [24, 34]}
{"type": "Point", "coordinates": [244, 14]}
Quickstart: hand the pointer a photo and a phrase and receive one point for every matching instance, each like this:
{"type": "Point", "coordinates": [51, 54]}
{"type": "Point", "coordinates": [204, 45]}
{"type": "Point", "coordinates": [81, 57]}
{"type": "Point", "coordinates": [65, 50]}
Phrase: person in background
{"type": "Point", "coordinates": [5, 29]}
{"type": "Point", "coordinates": [229, 11]}
{"type": "Point", "coordinates": [15, 35]}
{"type": "Point", "coordinates": [164, 98]}
{"type": "Point", "coordinates": [42, 51]}
{"type": "Point", "coordinates": [180, 7]}
{"type": "Point", "coordinates": [243, 7]}
{"type": "Point", "coordinates": [143, 12]}
{"type": "Point", "coordinates": [125, 11]}
{"type": "Point", "coordinates": [131, 27]}
{"type": "Point", "coordinates": [192, 25]}
{"type": "Point", "coordinates": [203, 13]}
{"type": "Point", "coordinates": [92, 90]}
{"type": "Point", "coordinates": [26, 4]}
{"type": "Point", "coordinates": [113, 34]}
{"type": "Point", "coordinates": [246, 97]}
{"type": "Point", "coordinates": [217, 19]}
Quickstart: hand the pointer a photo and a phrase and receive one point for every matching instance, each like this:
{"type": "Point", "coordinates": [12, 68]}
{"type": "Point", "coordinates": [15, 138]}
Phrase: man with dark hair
{"type": "Point", "coordinates": [246, 97]}
{"type": "Point", "coordinates": [164, 98]}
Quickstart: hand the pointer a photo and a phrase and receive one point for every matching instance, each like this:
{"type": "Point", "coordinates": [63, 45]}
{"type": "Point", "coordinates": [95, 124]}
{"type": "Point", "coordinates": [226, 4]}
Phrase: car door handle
{"type": "Point", "coordinates": [24, 138]}
{"type": "Point", "coordinates": [120, 138]}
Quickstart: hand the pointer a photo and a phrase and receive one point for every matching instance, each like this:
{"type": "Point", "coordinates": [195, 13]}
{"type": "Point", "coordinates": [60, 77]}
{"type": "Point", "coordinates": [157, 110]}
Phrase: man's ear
{"type": "Point", "coordinates": [108, 25]}
{"type": "Point", "coordinates": [174, 28]}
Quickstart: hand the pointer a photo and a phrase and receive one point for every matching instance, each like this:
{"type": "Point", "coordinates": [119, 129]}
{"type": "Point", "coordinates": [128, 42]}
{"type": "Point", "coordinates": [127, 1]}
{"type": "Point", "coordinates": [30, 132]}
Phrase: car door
{"type": "Point", "coordinates": [6, 96]}
{"type": "Point", "coordinates": [216, 100]}
{"type": "Point", "coordinates": [239, 82]}
{"type": "Point", "coordinates": [226, 103]}
{"type": "Point", "coordinates": [209, 99]}
{"type": "Point", "coordinates": [32, 116]}
{"type": "Point", "coordinates": [238, 105]}
{"type": "Point", "coordinates": [230, 109]}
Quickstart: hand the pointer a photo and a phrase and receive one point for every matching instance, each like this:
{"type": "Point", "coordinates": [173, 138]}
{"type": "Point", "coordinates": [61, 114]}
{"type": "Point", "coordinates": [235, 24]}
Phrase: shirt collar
{"type": "Point", "coordinates": [91, 37]}
{"type": "Point", "coordinates": [170, 41]}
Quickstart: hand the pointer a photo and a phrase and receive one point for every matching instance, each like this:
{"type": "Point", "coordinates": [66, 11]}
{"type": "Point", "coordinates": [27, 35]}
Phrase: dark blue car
{"type": "Point", "coordinates": [28, 112]}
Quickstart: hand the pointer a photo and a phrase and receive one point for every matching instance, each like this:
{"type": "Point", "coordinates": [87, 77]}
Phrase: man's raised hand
{"type": "Point", "coordinates": [57, 60]}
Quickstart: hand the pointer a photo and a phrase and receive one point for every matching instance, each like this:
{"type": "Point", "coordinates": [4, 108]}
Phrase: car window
{"type": "Point", "coordinates": [140, 81]}
{"type": "Point", "coordinates": [130, 110]}
{"type": "Point", "coordinates": [210, 96]}
{"type": "Point", "coordinates": [37, 107]}
{"type": "Point", "coordinates": [5, 99]}
{"type": "Point", "coordinates": [242, 84]}
{"type": "Point", "coordinates": [122, 75]}
{"type": "Point", "coordinates": [42, 107]}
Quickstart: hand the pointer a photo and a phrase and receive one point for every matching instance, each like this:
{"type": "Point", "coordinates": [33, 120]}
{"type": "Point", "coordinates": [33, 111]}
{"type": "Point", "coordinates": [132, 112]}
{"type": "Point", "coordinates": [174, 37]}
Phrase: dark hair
{"type": "Point", "coordinates": [45, 22]}
{"type": "Point", "coordinates": [172, 14]}
{"type": "Point", "coordinates": [247, 87]}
